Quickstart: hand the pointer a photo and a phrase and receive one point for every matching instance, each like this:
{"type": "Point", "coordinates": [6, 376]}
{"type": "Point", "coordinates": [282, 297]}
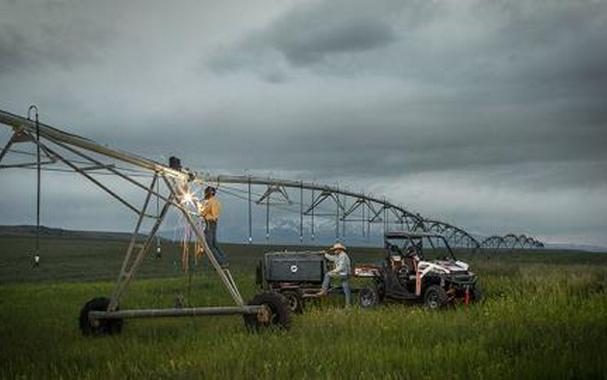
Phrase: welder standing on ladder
{"type": "Point", "coordinates": [210, 209]}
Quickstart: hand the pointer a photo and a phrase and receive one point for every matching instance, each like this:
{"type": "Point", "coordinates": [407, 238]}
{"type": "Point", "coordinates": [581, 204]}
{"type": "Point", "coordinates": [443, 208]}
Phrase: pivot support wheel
{"type": "Point", "coordinates": [274, 312]}
{"type": "Point", "coordinates": [98, 327]}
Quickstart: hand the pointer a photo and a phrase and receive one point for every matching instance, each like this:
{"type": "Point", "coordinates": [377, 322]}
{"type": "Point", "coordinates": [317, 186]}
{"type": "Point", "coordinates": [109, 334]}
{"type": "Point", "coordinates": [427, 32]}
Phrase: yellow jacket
{"type": "Point", "coordinates": [210, 209]}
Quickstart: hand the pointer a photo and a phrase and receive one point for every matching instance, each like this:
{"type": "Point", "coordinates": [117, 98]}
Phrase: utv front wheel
{"type": "Point", "coordinates": [435, 297]}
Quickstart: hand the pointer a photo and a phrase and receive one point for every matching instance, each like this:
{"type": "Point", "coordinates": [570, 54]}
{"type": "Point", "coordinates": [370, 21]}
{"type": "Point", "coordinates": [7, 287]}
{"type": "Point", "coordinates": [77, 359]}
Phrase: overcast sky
{"type": "Point", "coordinates": [491, 115]}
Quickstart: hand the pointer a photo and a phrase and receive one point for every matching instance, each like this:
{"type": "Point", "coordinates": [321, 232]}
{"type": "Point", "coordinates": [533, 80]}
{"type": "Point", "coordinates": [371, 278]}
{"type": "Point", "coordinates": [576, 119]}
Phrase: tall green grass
{"type": "Point", "coordinates": [541, 319]}
{"type": "Point", "coordinates": [540, 322]}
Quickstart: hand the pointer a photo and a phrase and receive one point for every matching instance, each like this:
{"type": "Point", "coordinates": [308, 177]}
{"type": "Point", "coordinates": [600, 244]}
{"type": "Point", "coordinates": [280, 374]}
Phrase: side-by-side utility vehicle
{"type": "Point", "coordinates": [414, 273]}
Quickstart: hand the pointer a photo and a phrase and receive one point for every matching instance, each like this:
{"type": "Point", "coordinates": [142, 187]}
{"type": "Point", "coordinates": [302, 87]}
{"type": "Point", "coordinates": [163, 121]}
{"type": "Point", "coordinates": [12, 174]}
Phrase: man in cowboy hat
{"type": "Point", "coordinates": [210, 209]}
{"type": "Point", "coordinates": [341, 271]}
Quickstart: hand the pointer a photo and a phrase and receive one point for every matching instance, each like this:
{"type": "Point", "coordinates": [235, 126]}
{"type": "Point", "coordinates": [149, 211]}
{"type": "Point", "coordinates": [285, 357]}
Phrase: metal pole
{"type": "Point", "coordinates": [363, 219]}
{"type": "Point", "coordinates": [385, 218]}
{"type": "Point", "coordinates": [336, 217]}
{"type": "Point", "coordinates": [181, 312]}
{"type": "Point", "coordinates": [158, 249]}
{"type": "Point", "coordinates": [268, 217]}
{"type": "Point", "coordinates": [301, 232]}
{"type": "Point", "coordinates": [38, 174]}
{"type": "Point", "coordinates": [250, 214]}
{"type": "Point", "coordinates": [343, 219]}
{"type": "Point", "coordinates": [312, 215]}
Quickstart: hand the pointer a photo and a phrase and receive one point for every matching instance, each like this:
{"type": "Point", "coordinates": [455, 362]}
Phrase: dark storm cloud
{"type": "Point", "coordinates": [302, 46]}
{"type": "Point", "coordinates": [309, 34]}
{"type": "Point", "coordinates": [468, 43]}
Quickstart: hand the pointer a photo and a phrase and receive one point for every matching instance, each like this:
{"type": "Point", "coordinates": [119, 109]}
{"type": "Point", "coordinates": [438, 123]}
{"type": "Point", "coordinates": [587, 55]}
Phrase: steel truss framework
{"type": "Point", "coordinates": [349, 208]}
{"type": "Point", "coordinates": [346, 208]}
{"type": "Point", "coordinates": [511, 241]}
{"type": "Point", "coordinates": [454, 235]}
{"type": "Point", "coordinates": [169, 186]}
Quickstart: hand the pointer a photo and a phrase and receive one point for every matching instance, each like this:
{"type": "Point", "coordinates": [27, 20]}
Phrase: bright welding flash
{"type": "Point", "coordinates": [187, 197]}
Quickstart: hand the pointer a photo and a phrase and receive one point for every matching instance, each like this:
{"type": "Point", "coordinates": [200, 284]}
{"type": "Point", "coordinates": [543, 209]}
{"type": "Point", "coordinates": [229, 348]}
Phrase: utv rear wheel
{"type": "Point", "coordinates": [294, 300]}
{"type": "Point", "coordinates": [98, 327]}
{"type": "Point", "coordinates": [435, 297]}
{"type": "Point", "coordinates": [368, 298]}
{"type": "Point", "coordinates": [274, 313]}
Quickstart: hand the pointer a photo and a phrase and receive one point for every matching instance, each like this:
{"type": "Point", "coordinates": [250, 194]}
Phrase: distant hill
{"type": "Point", "coordinates": [30, 231]}
{"type": "Point", "coordinates": [575, 247]}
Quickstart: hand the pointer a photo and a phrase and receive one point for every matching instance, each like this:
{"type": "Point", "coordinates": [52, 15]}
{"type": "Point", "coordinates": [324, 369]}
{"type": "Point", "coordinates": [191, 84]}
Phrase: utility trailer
{"type": "Point", "coordinates": [172, 186]}
{"type": "Point", "coordinates": [295, 275]}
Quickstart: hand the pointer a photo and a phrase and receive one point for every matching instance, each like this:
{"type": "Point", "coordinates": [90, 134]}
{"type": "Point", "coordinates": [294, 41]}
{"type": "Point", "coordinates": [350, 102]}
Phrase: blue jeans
{"type": "Point", "coordinates": [210, 234]}
{"type": "Point", "coordinates": [345, 284]}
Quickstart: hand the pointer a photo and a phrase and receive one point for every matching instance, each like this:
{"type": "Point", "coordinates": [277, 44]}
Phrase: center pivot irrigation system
{"type": "Point", "coordinates": [173, 187]}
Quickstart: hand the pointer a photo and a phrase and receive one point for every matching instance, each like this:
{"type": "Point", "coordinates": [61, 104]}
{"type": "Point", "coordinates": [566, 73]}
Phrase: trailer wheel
{"type": "Point", "coordinates": [294, 300]}
{"type": "Point", "coordinates": [368, 297]}
{"type": "Point", "coordinates": [275, 312]}
{"type": "Point", "coordinates": [435, 297]}
{"type": "Point", "coordinates": [98, 327]}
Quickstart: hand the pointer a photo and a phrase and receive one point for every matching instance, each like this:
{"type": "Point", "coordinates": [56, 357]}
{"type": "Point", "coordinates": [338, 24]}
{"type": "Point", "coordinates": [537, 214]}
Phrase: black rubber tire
{"type": "Point", "coordinates": [435, 297]}
{"type": "Point", "coordinates": [368, 297]}
{"type": "Point", "coordinates": [477, 294]}
{"type": "Point", "coordinates": [103, 326]}
{"type": "Point", "coordinates": [294, 300]}
{"type": "Point", "coordinates": [279, 314]}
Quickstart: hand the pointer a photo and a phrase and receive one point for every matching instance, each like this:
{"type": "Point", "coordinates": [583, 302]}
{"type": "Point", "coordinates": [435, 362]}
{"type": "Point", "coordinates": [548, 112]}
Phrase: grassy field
{"type": "Point", "coordinates": [545, 316]}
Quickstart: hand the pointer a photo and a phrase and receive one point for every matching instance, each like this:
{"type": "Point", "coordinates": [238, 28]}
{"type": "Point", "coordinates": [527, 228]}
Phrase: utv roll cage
{"type": "Point", "coordinates": [415, 239]}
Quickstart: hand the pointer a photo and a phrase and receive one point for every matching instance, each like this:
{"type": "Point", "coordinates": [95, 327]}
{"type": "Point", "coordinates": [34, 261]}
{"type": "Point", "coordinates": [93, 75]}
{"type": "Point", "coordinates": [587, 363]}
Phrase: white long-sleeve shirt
{"type": "Point", "coordinates": [342, 263]}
